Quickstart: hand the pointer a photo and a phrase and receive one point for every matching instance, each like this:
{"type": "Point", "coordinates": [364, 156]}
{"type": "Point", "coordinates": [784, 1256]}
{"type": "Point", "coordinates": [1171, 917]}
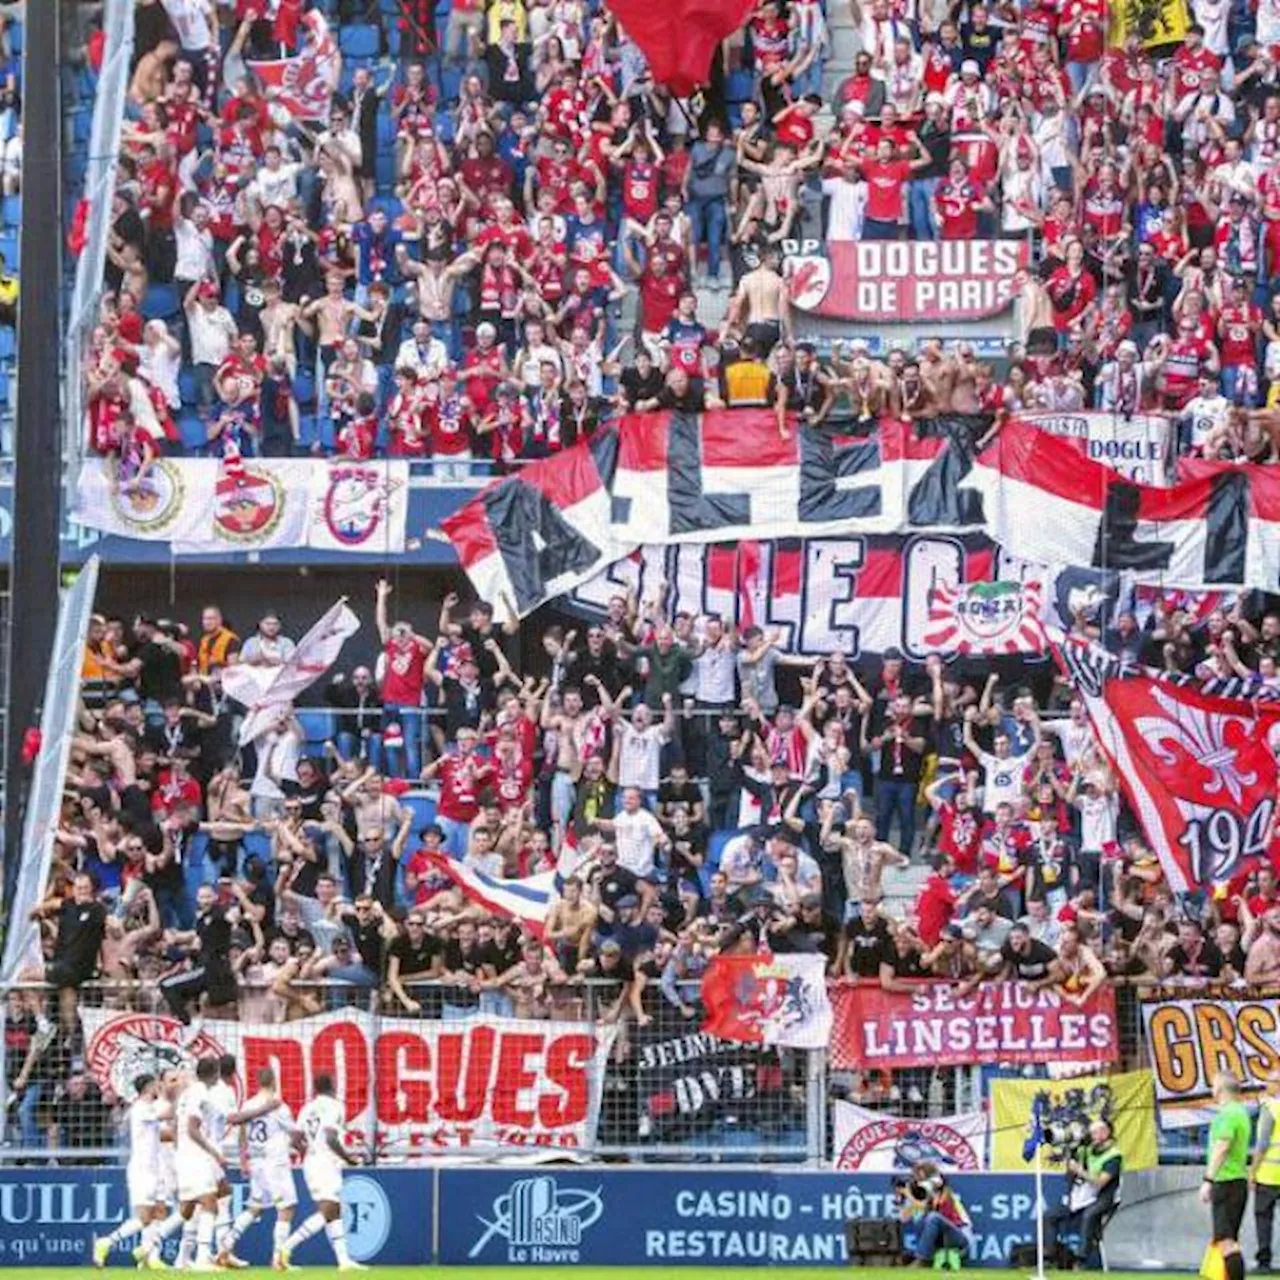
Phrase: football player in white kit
{"type": "Point", "coordinates": [224, 1094]}
{"type": "Point", "coordinates": [268, 1140]}
{"type": "Point", "coordinates": [150, 1110]}
{"type": "Point", "coordinates": [321, 1124]}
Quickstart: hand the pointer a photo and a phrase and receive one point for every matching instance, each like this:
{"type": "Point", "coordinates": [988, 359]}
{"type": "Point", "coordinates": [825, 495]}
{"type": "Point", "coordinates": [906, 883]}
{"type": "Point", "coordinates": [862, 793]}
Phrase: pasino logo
{"type": "Point", "coordinates": [368, 1217]}
{"type": "Point", "coordinates": [541, 1221]}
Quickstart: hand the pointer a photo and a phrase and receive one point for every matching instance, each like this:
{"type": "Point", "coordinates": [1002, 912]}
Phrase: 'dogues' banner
{"type": "Point", "coordinates": [1190, 1040]}
{"type": "Point", "coordinates": [1126, 1101]}
{"type": "Point", "coordinates": [1139, 445]}
{"type": "Point", "coordinates": [949, 280]}
{"type": "Point", "coordinates": [999, 1022]}
{"type": "Point", "coordinates": [873, 1142]}
{"type": "Point", "coordinates": [487, 1085]}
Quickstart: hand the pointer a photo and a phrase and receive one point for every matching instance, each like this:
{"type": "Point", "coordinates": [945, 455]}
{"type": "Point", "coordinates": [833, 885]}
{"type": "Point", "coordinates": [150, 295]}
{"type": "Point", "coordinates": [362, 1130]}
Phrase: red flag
{"type": "Point", "coordinates": [766, 999]}
{"type": "Point", "coordinates": [302, 86]}
{"type": "Point", "coordinates": [1198, 769]}
{"type": "Point", "coordinates": [679, 39]}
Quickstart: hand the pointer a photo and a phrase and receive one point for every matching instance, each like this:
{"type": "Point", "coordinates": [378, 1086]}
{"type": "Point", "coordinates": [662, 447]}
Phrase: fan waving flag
{"type": "Point", "coordinates": [985, 617]}
{"type": "Point", "coordinates": [766, 999]}
{"type": "Point", "coordinates": [1198, 769]}
{"type": "Point", "coordinates": [302, 87]}
{"type": "Point", "coordinates": [679, 37]}
{"type": "Point", "coordinates": [526, 900]}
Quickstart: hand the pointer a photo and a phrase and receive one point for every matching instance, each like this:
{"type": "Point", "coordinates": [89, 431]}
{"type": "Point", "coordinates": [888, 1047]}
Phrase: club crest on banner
{"type": "Point", "coordinates": [125, 1048]}
{"type": "Point", "coordinates": [808, 280]}
{"type": "Point", "coordinates": [985, 617]}
{"type": "Point", "coordinates": [248, 504]}
{"type": "Point", "coordinates": [355, 504]}
{"type": "Point", "coordinates": [151, 503]}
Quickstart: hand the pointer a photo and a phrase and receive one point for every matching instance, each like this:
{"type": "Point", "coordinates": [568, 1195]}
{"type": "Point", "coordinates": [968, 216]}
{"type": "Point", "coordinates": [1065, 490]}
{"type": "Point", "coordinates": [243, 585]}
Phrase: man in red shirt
{"type": "Point", "coordinates": [957, 200]}
{"type": "Point", "coordinates": [1190, 61]}
{"type": "Point", "coordinates": [1239, 324]}
{"type": "Point", "coordinates": [403, 679]}
{"type": "Point", "coordinates": [936, 903]}
{"type": "Point", "coordinates": [886, 182]}
{"type": "Point", "coordinates": [1084, 24]}
{"type": "Point", "coordinates": [463, 775]}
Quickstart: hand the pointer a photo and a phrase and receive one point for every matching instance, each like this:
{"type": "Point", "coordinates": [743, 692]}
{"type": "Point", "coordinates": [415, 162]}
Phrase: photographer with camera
{"type": "Point", "coordinates": [942, 1221]}
{"type": "Point", "coordinates": [1093, 1171]}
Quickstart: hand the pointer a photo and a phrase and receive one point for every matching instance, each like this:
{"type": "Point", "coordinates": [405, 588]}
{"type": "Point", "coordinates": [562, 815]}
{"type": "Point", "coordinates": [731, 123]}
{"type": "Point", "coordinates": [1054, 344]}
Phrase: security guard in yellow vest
{"type": "Point", "coordinates": [1265, 1170]}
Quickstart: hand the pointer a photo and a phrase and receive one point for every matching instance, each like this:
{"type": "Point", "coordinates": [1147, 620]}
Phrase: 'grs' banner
{"type": "Point", "coordinates": [999, 1022]}
{"type": "Point", "coordinates": [1190, 1040]}
{"type": "Point", "coordinates": [484, 1086]}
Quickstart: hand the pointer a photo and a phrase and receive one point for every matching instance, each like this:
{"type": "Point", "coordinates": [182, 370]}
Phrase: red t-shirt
{"type": "Point", "coordinates": [1087, 41]}
{"type": "Point", "coordinates": [957, 209]}
{"type": "Point", "coordinates": [1239, 327]}
{"type": "Point", "coordinates": [404, 677]}
{"type": "Point", "coordinates": [885, 181]}
{"type": "Point", "coordinates": [959, 837]}
{"type": "Point", "coordinates": [462, 778]}
{"type": "Point", "coordinates": [934, 908]}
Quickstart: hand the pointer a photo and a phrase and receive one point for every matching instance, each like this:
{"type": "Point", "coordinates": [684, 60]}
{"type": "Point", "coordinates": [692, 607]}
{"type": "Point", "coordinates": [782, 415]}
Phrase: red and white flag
{"type": "Point", "coordinates": [767, 999]}
{"type": "Point", "coordinates": [302, 86]}
{"type": "Point", "coordinates": [266, 691]}
{"type": "Point", "coordinates": [1199, 770]}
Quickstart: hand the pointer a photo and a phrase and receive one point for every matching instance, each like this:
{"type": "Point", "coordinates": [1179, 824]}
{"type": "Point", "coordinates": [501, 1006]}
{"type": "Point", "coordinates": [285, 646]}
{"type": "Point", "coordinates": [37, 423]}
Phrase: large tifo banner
{"type": "Point", "coordinates": [695, 1216]}
{"type": "Point", "coordinates": [483, 1086]}
{"type": "Point", "coordinates": [674, 477]}
{"type": "Point", "coordinates": [902, 281]}
{"type": "Point", "coordinates": [875, 1142]}
{"type": "Point", "coordinates": [919, 594]}
{"type": "Point", "coordinates": [1190, 1040]}
{"type": "Point", "coordinates": [1126, 1101]}
{"type": "Point", "coordinates": [1137, 445]}
{"type": "Point", "coordinates": [202, 507]}
{"type": "Point", "coordinates": [932, 1025]}
{"type": "Point", "coordinates": [1198, 768]}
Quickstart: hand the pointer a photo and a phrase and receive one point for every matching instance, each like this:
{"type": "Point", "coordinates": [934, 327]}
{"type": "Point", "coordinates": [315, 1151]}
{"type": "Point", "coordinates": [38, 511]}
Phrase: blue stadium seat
{"type": "Point", "coordinates": [257, 845]}
{"type": "Point", "coordinates": [422, 806]}
{"type": "Point", "coordinates": [12, 211]}
{"type": "Point", "coordinates": [738, 86]}
{"type": "Point", "coordinates": [160, 302]}
{"type": "Point", "coordinates": [304, 387]}
{"type": "Point", "coordinates": [9, 247]}
{"type": "Point", "coordinates": [386, 131]}
{"type": "Point", "coordinates": [193, 432]}
{"type": "Point", "coordinates": [358, 40]}
{"type": "Point", "coordinates": [16, 37]}
{"type": "Point", "coordinates": [385, 169]}
{"type": "Point", "coordinates": [187, 385]}
{"type": "Point", "coordinates": [82, 125]}
{"type": "Point", "coordinates": [318, 726]}
{"type": "Point", "coordinates": [8, 344]}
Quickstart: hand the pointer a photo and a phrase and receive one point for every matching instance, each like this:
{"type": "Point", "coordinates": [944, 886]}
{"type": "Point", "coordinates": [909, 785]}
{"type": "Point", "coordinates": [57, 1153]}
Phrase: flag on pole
{"type": "Point", "coordinates": [266, 690]}
{"type": "Point", "coordinates": [302, 87]}
{"type": "Point", "coordinates": [766, 999]}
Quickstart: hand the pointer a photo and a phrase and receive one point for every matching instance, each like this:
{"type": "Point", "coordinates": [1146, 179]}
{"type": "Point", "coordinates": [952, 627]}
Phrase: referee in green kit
{"type": "Point", "coordinates": [1226, 1179]}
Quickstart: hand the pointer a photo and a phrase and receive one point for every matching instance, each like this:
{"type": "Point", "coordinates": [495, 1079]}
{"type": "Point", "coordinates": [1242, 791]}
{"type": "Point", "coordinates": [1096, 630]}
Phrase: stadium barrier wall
{"type": "Point", "coordinates": [634, 1217]}
{"type": "Point", "coordinates": [534, 1216]}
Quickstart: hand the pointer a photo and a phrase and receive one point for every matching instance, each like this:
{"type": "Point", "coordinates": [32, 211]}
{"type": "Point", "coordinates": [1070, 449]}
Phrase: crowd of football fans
{"type": "Point", "coordinates": [280, 287]}
{"type": "Point", "coordinates": [504, 231]}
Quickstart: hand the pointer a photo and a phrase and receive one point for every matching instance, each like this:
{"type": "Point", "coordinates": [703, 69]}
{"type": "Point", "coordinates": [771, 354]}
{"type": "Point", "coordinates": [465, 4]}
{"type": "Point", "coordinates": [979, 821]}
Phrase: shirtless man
{"type": "Point", "coordinates": [279, 320]}
{"type": "Point", "coordinates": [863, 857]}
{"type": "Point", "coordinates": [760, 305]}
{"type": "Point", "coordinates": [436, 281]}
{"type": "Point", "coordinates": [331, 315]}
{"type": "Point", "coordinates": [937, 372]}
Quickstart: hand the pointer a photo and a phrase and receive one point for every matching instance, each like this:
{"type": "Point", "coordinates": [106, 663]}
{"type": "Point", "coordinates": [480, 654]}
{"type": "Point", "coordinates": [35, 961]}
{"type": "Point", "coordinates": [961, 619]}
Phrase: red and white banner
{"type": "Point", "coordinates": [905, 280]}
{"type": "Point", "coordinates": [201, 506]}
{"type": "Point", "coordinates": [773, 1000]}
{"type": "Point", "coordinates": [302, 87]}
{"type": "Point", "coordinates": [986, 618]}
{"type": "Point", "coordinates": [675, 478]}
{"type": "Point", "coordinates": [932, 1025]}
{"type": "Point", "coordinates": [266, 691]}
{"type": "Point", "coordinates": [1198, 769]}
{"type": "Point", "coordinates": [1137, 445]}
{"type": "Point", "coordinates": [874, 1142]}
{"type": "Point", "coordinates": [487, 1086]}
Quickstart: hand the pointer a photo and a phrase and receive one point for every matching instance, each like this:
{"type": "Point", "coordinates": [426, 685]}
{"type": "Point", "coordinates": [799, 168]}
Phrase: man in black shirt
{"type": "Point", "coordinates": [464, 967]}
{"type": "Point", "coordinates": [414, 955]}
{"type": "Point", "coordinates": [1027, 959]}
{"type": "Point", "coordinates": [808, 930]}
{"type": "Point", "coordinates": [371, 931]}
{"type": "Point", "coordinates": [615, 977]}
{"type": "Point", "coordinates": [160, 661]}
{"type": "Point", "coordinates": [641, 382]}
{"type": "Point", "coordinates": [81, 924]}
{"type": "Point", "coordinates": [208, 944]}
{"type": "Point", "coordinates": [612, 883]}
{"type": "Point", "coordinates": [867, 942]}
{"type": "Point", "coordinates": [1194, 956]}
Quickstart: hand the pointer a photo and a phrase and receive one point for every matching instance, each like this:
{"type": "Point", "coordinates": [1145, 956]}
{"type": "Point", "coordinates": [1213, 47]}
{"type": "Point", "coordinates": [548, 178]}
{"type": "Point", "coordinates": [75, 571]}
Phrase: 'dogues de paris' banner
{"type": "Point", "coordinates": [933, 1025]}
{"type": "Point", "coordinates": [946, 280]}
{"type": "Point", "coordinates": [1191, 1039]}
{"type": "Point", "coordinates": [671, 477]}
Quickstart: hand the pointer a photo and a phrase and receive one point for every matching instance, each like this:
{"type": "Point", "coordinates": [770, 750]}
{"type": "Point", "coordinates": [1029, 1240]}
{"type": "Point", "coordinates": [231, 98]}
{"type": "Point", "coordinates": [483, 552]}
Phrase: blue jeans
{"type": "Point", "coordinates": [894, 798]}
{"type": "Point", "coordinates": [406, 761]}
{"type": "Point", "coordinates": [937, 1233]}
{"type": "Point", "coordinates": [918, 197]}
{"type": "Point", "coordinates": [707, 217]}
{"type": "Point", "coordinates": [455, 836]}
{"type": "Point", "coordinates": [1233, 384]}
{"type": "Point", "coordinates": [28, 1130]}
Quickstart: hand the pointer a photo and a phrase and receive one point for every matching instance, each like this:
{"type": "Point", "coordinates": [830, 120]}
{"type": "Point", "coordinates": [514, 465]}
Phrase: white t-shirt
{"type": "Point", "coordinates": [144, 1132]}
{"type": "Point", "coordinates": [1001, 780]}
{"type": "Point", "coordinates": [1097, 821]}
{"type": "Point", "coordinates": [636, 835]}
{"type": "Point", "coordinates": [268, 1136]}
{"type": "Point", "coordinates": [196, 1103]}
{"type": "Point", "coordinates": [320, 1117]}
{"type": "Point", "coordinates": [1073, 737]}
{"type": "Point", "coordinates": [640, 755]}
